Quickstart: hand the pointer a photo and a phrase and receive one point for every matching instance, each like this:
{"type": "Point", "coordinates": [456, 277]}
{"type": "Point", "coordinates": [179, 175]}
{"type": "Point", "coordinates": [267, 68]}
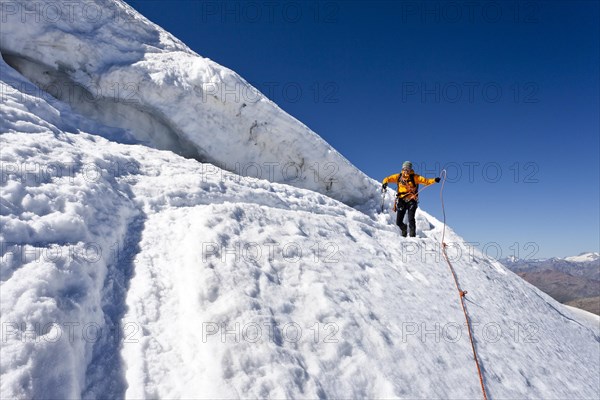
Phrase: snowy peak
{"type": "Point", "coordinates": [126, 73]}
{"type": "Point", "coordinates": [584, 258]}
{"type": "Point", "coordinates": [512, 259]}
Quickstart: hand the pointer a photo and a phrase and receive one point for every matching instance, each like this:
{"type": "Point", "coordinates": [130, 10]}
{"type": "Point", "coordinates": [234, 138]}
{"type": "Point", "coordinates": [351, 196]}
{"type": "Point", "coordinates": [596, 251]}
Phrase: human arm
{"type": "Point", "coordinates": [425, 181]}
{"type": "Point", "coordinates": [391, 179]}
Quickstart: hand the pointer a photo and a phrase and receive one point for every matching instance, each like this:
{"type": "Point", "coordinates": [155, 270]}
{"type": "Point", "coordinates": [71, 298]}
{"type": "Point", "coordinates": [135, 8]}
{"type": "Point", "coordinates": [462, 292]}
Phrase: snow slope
{"type": "Point", "coordinates": [116, 67]}
{"type": "Point", "coordinates": [132, 272]}
{"type": "Point", "coordinates": [593, 319]}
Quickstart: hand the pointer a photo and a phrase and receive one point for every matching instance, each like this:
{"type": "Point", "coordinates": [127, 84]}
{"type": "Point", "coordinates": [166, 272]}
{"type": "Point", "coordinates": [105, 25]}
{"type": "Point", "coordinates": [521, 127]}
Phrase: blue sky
{"type": "Point", "coordinates": [505, 94]}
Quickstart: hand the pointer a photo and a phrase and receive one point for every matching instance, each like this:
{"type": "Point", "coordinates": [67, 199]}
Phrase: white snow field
{"type": "Point", "coordinates": [585, 257]}
{"type": "Point", "coordinates": [133, 267]}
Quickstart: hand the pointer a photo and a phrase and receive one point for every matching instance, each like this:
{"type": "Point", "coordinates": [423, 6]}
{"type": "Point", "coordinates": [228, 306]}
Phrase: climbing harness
{"type": "Point", "coordinates": [411, 191]}
{"type": "Point", "coordinates": [461, 293]}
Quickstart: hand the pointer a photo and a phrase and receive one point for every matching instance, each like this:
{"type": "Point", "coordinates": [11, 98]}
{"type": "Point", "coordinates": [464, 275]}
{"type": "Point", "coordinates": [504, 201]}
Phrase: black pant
{"type": "Point", "coordinates": [402, 208]}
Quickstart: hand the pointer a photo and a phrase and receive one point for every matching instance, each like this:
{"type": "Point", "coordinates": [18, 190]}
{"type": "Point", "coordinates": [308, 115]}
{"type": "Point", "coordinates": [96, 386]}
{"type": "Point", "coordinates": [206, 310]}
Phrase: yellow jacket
{"type": "Point", "coordinates": [408, 184]}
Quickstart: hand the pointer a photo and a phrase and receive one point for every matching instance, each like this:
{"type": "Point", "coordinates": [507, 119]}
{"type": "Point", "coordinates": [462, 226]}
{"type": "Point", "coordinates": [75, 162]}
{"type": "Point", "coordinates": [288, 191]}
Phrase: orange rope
{"type": "Point", "coordinates": [461, 293]}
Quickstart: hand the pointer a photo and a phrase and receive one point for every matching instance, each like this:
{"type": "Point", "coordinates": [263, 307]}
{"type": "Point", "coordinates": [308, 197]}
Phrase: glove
{"type": "Point", "coordinates": [384, 186]}
{"type": "Point", "coordinates": [437, 180]}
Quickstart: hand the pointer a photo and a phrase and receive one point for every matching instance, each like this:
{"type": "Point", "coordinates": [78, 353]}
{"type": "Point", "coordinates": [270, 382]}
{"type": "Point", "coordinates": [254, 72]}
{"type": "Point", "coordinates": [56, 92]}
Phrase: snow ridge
{"type": "Point", "coordinates": [133, 272]}
{"type": "Point", "coordinates": [129, 73]}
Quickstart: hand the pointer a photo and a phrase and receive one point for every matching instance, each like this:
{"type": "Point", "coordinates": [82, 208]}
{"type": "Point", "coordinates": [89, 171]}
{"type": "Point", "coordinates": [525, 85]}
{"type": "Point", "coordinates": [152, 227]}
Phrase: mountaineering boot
{"type": "Point", "coordinates": [413, 233]}
{"type": "Point", "coordinates": [403, 233]}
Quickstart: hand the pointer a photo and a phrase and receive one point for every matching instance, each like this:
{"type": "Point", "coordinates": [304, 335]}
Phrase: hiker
{"type": "Point", "coordinates": [407, 198]}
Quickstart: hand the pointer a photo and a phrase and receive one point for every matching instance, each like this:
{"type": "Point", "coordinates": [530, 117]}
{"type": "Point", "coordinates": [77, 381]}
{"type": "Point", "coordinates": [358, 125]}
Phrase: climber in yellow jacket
{"type": "Point", "coordinates": [407, 197]}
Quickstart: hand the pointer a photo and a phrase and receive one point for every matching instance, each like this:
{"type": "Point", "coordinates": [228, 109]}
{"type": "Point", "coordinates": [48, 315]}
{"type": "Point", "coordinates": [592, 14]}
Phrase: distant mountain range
{"type": "Point", "coordinates": [572, 280]}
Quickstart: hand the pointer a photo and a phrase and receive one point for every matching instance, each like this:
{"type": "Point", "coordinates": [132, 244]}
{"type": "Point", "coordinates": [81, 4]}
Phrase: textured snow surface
{"type": "Point", "coordinates": [118, 68]}
{"type": "Point", "coordinates": [132, 272]}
